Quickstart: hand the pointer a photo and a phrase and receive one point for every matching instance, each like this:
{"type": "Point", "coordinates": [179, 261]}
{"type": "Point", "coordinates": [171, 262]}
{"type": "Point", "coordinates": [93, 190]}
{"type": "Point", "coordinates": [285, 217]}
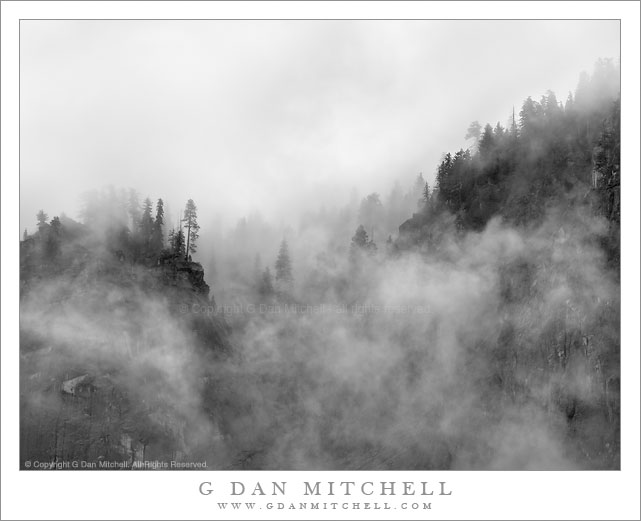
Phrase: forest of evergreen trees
{"type": "Point", "coordinates": [469, 325]}
{"type": "Point", "coordinates": [553, 156]}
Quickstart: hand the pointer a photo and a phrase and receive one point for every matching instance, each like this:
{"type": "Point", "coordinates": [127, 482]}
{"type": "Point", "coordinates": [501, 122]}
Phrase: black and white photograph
{"type": "Point", "coordinates": [320, 245]}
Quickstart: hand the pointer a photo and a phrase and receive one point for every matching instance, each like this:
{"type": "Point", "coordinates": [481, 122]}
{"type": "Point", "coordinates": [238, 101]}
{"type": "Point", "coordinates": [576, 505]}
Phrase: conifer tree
{"type": "Point", "coordinates": [487, 142]}
{"type": "Point", "coordinates": [514, 128]}
{"type": "Point", "coordinates": [361, 243]}
{"type": "Point", "coordinates": [284, 264]}
{"type": "Point", "coordinates": [42, 220]}
{"type": "Point", "coordinates": [177, 242]}
{"type": "Point", "coordinates": [426, 193]}
{"type": "Point", "coordinates": [53, 238]}
{"type": "Point", "coordinates": [191, 223]}
{"type": "Point", "coordinates": [360, 238]}
{"type": "Point", "coordinates": [146, 223]}
{"type": "Point", "coordinates": [157, 234]}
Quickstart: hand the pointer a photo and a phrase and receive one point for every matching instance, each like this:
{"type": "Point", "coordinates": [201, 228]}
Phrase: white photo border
{"type": "Point", "coordinates": [175, 495]}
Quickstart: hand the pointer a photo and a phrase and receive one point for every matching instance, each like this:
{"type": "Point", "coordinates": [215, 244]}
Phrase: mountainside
{"type": "Point", "coordinates": [555, 157]}
{"type": "Point", "coordinates": [114, 353]}
{"type": "Point", "coordinates": [486, 335]}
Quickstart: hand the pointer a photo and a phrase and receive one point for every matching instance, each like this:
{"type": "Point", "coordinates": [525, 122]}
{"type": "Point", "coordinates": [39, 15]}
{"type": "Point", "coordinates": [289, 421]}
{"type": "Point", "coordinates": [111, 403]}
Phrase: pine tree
{"type": "Point", "coordinates": [54, 238]}
{"type": "Point", "coordinates": [514, 128]}
{"type": "Point", "coordinates": [177, 242]}
{"type": "Point", "coordinates": [157, 234]}
{"type": "Point", "coordinates": [569, 103]}
{"type": "Point", "coordinates": [191, 224]}
{"type": "Point", "coordinates": [550, 105]}
{"type": "Point", "coordinates": [42, 221]}
{"type": "Point", "coordinates": [487, 142]}
{"type": "Point", "coordinates": [360, 239]}
{"type": "Point", "coordinates": [284, 264]}
{"type": "Point", "coordinates": [146, 224]}
{"type": "Point", "coordinates": [442, 173]}
{"type": "Point", "coordinates": [529, 118]}
{"type": "Point", "coordinates": [361, 243]}
{"type": "Point", "coordinates": [426, 193]}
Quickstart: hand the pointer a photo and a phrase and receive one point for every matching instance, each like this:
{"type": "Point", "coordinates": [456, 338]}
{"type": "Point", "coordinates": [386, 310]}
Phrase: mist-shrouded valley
{"type": "Point", "coordinates": [466, 319]}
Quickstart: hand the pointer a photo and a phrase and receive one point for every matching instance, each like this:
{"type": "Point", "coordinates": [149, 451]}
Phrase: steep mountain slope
{"type": "Point", "coordinates": [114, 354]}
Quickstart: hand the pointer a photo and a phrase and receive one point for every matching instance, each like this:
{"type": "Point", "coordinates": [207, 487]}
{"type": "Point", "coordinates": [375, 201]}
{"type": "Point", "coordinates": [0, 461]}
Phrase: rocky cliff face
{"type": "Point", "coordinates": [185, 276]}
{"type": "Point", "coordinates": [114, 357]}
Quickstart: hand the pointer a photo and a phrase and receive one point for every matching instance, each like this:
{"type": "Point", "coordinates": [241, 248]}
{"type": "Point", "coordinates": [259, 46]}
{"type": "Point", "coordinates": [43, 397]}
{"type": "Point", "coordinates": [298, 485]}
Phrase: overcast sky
{"type": "Point", "coordinates": [275, 116]}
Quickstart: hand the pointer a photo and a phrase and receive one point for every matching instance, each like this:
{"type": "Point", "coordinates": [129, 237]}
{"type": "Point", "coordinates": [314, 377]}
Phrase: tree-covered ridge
{"type": "Point", "coordinates": [119, 224]}
{"type": "Point", "coordinates": [551, 155]}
